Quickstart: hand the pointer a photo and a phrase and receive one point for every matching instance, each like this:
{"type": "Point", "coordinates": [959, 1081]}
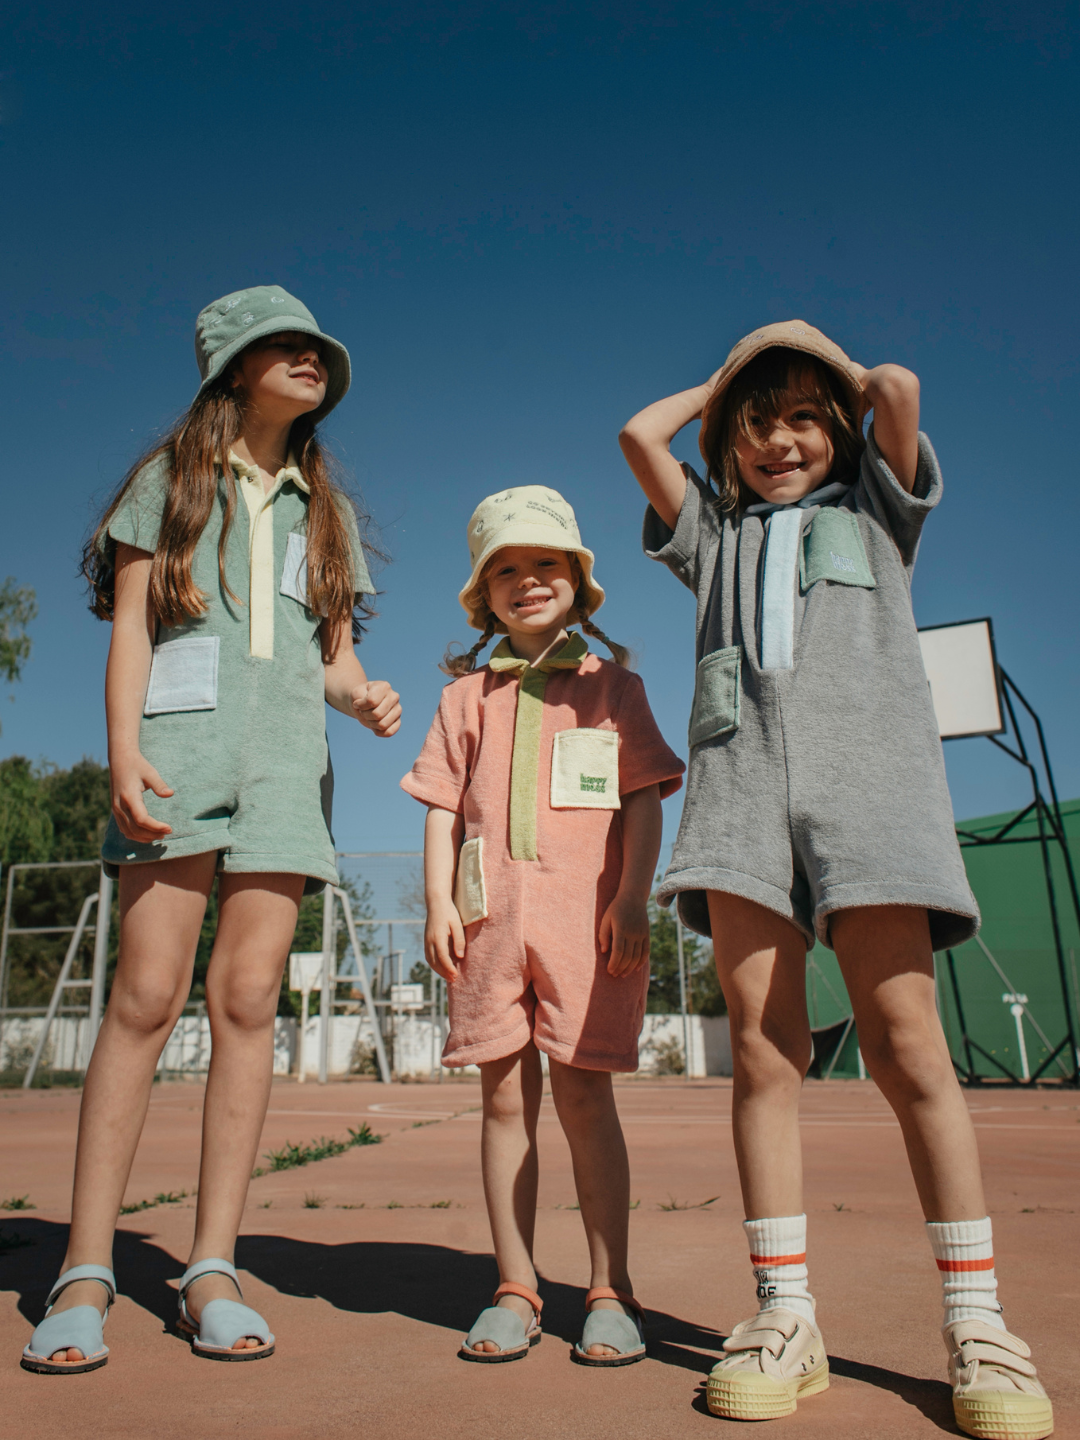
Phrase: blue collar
{"type": "Point", "coordinates": [824, 496]}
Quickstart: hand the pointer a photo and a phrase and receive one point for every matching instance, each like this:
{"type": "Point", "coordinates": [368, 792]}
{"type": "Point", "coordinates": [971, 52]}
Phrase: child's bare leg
{"type": "Point", "coordinates": [888, 967]}
{"type": "Point", "coordinates": [161, 911]}
{"type": "Point", "coordinates": [512, 1091]}
{"type": "Point", "coordinates": [761, 962]}
{"type": "Point", "coordinates": [586, 1107]}
{"type": "Point", "coordinates": [257, 918]}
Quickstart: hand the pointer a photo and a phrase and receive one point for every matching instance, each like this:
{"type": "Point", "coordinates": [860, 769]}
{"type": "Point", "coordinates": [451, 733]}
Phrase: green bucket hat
{"type": "Point", "coordinates": [230, 324]}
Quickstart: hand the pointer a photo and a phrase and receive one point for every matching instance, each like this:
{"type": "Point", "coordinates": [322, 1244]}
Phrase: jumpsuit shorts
{"type": "Point", "coordinates": [536, 761]}
{"type": "Point", "coordinates": [240, 738]}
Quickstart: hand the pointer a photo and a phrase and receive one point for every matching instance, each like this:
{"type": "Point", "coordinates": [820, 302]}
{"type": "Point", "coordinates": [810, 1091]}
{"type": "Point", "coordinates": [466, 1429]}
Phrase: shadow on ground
{"type": "Point", "coordinates": [434, 1284]}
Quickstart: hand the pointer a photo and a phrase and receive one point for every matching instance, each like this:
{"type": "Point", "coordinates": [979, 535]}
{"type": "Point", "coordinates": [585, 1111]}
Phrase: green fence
{"type": "Point", "coordinates": [1017, 956]}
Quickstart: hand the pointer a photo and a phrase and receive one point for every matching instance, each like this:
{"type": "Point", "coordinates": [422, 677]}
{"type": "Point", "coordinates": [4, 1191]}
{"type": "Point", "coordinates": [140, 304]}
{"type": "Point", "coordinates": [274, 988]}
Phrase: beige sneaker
{"type": "Point", "coordinates": [996, 1395]}
{"type": "Point", "coordinates": [771, 1361]}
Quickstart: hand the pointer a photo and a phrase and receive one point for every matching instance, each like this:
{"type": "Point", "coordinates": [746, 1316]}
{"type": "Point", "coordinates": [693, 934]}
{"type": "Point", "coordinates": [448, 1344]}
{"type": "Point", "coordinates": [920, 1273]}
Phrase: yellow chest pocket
{"type": "Point", "coordinates": [585, 770]}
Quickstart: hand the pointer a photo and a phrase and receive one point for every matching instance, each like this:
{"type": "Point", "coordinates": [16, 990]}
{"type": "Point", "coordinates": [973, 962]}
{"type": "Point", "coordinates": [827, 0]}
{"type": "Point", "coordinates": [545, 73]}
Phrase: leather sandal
{"type": "Point", "coordinates": [79, 1328]}
{"type": "Point", "coordinates": [505, 1328]}
{"type": "Point", "coordinates": [996, 1393]}
{"type": "Point", "coordinates": [623, 1333]}
{"type": "Point", "coordinates": [222, 1322]}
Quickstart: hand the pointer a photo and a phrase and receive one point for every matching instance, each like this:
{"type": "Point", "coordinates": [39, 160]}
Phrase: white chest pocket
{"type": "Point", "coordinates": [585, 770]}
{"type": "Point", "coordinates": [294, 573]}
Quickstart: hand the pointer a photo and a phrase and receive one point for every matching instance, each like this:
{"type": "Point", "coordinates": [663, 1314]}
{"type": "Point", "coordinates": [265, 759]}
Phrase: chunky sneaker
{"type": "Point", "coordinates": [996, 1395]}
{"type": "Point", "coordinates": [770, 1362]}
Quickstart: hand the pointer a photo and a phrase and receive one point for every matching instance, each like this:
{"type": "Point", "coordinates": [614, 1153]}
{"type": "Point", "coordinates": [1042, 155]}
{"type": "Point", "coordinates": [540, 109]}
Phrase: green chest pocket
{"type": "Point", "coordinates": [716, 695]}
{"type": "Point", "coordinates": [832, 549]}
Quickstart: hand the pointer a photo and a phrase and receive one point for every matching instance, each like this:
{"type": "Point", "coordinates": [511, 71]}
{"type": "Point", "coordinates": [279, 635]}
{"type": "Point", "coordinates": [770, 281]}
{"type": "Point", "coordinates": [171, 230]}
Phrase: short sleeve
{"type": "Point", "coordinates": [440, 774]}
{"type": "Point", "coordinates": [900, 514]}
{"type": "Point", "coordinates": [137, 519]}
{"type": "Point", "coordinates": [682, 550]}
{"type": "Point", "coordinates": [361, 576]}
{"type": "Point", "coordinates": [645, 757]}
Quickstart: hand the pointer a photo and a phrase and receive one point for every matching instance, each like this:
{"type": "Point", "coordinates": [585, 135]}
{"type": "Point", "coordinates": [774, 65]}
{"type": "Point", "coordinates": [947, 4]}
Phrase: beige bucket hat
{"type": "Point", "coordinates": [787, 335]}
{"type": "Point", "coordinates": [524, 515]}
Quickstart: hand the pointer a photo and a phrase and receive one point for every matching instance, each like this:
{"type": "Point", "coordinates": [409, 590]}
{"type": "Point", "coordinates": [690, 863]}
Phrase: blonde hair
{"type": "Point", "coordinates": [457, 663]}
{"type": "Point", "coordinates": [759, 393]}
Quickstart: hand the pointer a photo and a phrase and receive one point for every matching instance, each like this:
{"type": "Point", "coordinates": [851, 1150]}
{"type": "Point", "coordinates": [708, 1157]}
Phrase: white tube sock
{"type": "Point", "coordinates": [964, 1251]}
{"type": "Point", "coordinates": [778, 1255]}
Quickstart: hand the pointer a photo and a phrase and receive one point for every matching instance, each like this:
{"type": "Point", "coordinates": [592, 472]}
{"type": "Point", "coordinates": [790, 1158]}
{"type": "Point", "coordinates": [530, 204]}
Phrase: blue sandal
{"type": "Point", "coordinates": [222, 1322]}
{"type": "Point", "coordinates": [79, 1328]}
{"type": "Point", "coordinates": [505, 1328]}
{"type": "Point", "coordinates": [623, 1333]}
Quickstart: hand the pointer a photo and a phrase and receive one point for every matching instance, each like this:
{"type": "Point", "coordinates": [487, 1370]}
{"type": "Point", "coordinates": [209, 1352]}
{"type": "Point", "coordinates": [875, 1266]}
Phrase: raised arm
{"type": "Point", "coordinates": [893, 393]}
{"type": "Point", "coordinates": [646, 442]}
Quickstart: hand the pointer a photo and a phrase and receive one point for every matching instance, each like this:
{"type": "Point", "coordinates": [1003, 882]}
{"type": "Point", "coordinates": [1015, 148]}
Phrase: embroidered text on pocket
{"type": "Point", "coordinates": [833, 549]}
{"type": "Point", "coordinates": [183, 676]}
{"type": "Point", "coordinates": [716, 695]}
{"type": "Point", "coordinates": [294, 572]}
{"type": "Point", "coordinates": [585, 770]}
{"type": "Point", "coordinates": [470, 892]}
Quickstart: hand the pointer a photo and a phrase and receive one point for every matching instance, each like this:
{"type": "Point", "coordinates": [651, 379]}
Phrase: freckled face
{"type": "Point", "coordinates": [529, 589]}
{"type": "Point", "coordinates": [284, 374]}
{"type": "Point", "coordinates": [793, 454]}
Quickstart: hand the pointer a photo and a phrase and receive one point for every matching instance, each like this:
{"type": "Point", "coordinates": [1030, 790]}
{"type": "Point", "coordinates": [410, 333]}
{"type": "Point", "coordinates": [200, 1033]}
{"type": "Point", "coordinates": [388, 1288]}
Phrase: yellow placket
{"type": "Point", "coordinates": [261, 550]}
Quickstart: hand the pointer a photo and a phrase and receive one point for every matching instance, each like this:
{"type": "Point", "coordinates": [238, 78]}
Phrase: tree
{"type": "Point", "coordinates": [18, 606]}
{"type": "Point", "coordinates": [703, 993]}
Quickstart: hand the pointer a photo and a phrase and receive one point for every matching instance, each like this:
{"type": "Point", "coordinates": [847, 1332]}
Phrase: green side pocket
{"type": "Point", "coordinates": [716, 695]}
{"type": "Point", "coordinates": [832, 549]}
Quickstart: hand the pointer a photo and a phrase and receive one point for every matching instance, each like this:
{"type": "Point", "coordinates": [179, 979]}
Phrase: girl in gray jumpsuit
{"type": "Point", "coordinates": [230, 567]}
{"type": "Point", "coordinates": [816, 806]}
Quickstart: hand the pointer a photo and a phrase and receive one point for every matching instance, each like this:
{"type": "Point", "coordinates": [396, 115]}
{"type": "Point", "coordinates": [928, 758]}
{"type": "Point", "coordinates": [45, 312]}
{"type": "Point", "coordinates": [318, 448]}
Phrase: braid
{"type": "Point", "coordinates": [456, 665]}
{"type": "Point", "coordinates": [619, 653]}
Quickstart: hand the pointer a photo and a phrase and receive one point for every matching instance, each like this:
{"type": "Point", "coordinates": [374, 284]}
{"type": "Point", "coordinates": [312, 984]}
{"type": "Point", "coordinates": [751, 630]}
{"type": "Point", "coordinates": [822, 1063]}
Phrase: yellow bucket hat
{"type": "Point", "coordinates": [525, 515]}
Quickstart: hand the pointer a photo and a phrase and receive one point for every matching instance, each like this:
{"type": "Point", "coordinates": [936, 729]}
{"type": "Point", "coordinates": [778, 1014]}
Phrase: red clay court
{"type": "Point", "coordinates": [370, 1286]}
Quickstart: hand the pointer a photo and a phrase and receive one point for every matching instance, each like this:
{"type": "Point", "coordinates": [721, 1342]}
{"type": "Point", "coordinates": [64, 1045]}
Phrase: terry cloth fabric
{"type": "Point", "coordinates": [821, 786]}
{"type": "Point", "coordinates": [240, 735]}
{"type": "Point", "coordinates": [964, 1251]}
{"type": "Point", "coordinates": [778, 1255]}
{"type": "Point", "coordinates": [501, 741]}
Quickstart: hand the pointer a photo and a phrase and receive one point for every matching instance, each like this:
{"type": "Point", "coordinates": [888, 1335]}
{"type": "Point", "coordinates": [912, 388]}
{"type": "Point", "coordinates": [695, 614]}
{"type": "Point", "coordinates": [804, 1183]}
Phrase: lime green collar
{"type": "Point", "coordinates": [568, 658]}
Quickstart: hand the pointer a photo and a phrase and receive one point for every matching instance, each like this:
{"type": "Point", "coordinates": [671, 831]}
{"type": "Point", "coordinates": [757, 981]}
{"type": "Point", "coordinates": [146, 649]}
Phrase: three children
{"type": "Point", "coordinates": [816, 808]}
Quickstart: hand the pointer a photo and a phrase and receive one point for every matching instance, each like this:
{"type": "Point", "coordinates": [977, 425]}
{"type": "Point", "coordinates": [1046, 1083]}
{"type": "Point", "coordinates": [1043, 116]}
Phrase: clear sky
{"type": "Point", "coordinates": [526, 222]}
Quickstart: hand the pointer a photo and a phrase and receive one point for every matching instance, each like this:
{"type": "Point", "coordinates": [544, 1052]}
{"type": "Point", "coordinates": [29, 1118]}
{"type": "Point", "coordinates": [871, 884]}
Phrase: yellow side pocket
{"type": "Point", "coordinates": [470, 892]}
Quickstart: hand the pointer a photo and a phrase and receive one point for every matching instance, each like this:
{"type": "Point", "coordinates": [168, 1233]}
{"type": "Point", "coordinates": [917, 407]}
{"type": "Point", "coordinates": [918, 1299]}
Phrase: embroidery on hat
{"type": "Point", "coordinates": [248, 318]}
{"type": "Point", "coordinates": [479, 527]}
{"type": "Point", "coordinates": [276, 300]}
{"type": "Point", "coordinates": [545, 510]}
{"type": "Point", "coordinates": [235, 301]}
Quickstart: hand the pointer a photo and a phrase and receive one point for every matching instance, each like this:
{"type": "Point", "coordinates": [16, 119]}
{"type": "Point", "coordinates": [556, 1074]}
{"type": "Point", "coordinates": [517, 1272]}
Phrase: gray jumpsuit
{"type": "Point", "coordinates": [816, 779]}
{"type": "Point", "coordinates": [235, 715]}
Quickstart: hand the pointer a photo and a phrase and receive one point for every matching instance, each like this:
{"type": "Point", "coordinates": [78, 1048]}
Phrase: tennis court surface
{"type": "Point", "coordinates": [371, 1265]}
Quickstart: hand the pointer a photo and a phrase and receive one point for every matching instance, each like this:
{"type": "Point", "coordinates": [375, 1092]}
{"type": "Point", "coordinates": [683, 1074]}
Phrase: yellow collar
{"type": "Point", "coordinates": [568, 658]}
{"type": "Point", "coordinates": [289, 471]}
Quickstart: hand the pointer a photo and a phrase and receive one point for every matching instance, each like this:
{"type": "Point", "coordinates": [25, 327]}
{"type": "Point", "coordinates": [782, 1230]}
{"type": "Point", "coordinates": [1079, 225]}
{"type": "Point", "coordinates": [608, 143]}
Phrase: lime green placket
{"type": "Point", "coordinates": [528, 719]}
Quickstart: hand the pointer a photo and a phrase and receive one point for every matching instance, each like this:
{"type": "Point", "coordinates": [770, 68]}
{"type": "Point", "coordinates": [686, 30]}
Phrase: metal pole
{"type": "Point", "coordinates": [326, 996]}
{"type": "Point", "coordinates": [101, 961]}
{"type": "Point", "coordinates": [365, 986]}
{"type": "Point", "coordinates": [62, 983]}
{"type": "Point", "coordinates": [682, 995]}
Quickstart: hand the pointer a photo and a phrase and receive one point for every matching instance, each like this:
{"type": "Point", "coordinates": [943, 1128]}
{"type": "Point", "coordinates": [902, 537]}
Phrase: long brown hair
{"type": "Point", "coordinates": [759, 392]}
{"type": "Point", "coordinates": [456, 663]}
{"type": "Point", "coordinates": [195, 452]}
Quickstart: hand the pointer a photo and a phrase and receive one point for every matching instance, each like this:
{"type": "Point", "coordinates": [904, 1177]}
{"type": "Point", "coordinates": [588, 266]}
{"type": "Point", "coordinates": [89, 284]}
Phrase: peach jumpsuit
{"type": "Point", "coordinates": [536, 761]}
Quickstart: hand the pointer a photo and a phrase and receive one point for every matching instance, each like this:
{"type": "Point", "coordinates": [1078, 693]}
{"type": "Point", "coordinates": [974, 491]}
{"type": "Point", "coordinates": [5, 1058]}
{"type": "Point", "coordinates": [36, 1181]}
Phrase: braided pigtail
{"type": "Point", "coordinates": [456, 665]}
{"type": "Point", "coordinates": [619, 653]}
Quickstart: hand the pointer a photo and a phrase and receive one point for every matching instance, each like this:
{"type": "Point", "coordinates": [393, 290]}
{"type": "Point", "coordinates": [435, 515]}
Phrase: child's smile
{"type": "Point", "coordinates": [531, 590]}
{"type": "Point", "coordinates": [793, 455]}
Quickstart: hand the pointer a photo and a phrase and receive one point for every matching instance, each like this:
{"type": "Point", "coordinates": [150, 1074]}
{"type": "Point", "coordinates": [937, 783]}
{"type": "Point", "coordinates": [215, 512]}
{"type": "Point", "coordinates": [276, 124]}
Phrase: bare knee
{"type": "Point", "coordinates": [908, 1060]}
{"type": "Point", "coordinates": [146, 1003]}
{"type": "Point", "coordinates": [243, 1002]}
{"type": "Point", "coordinates": [579, 1092]}
{"type": "Point", "coordinates": [771, 1064]}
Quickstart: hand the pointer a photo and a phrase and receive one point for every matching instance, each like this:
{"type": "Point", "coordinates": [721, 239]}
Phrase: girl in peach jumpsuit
{"type": "Point", "coordinates": [543, 774]}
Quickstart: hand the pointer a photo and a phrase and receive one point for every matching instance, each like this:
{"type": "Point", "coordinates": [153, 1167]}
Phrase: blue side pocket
{"type": "Point", "coordinates": [716, 695]}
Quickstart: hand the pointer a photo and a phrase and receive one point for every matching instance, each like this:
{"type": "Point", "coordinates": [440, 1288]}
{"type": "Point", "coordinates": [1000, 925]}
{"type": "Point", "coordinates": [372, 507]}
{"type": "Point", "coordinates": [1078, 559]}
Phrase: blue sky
{"type": "Point", "coordinates": [526, 222]}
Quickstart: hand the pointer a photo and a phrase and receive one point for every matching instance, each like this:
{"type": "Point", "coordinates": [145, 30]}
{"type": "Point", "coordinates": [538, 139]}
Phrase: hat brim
{"type": "Point", "coordinates": [852, 388]}
{"type": "Point", "coordinates": [472, 596]}
{"type": "Point", "coordinates": [335, 357]}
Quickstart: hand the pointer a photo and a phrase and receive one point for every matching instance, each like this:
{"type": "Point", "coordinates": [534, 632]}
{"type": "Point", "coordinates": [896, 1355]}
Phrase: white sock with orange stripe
{"type": "Point", "coordinates": [778, 1255]}
{"type": "Point", "coordinates": [964, 1251]}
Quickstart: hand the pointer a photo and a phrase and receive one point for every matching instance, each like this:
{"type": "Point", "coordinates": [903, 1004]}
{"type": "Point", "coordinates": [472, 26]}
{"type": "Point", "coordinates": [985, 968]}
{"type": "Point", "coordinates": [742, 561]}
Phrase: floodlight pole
{"type": "Point", "coordinates": [326, 997]}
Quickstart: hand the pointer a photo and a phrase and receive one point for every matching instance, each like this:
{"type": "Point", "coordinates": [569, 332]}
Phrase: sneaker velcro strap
{"type": "Point", "coordinates": [997, 1356]}
{"type": "Point", "coordinates": [766, 1338]}
{"type": "Point", "coordinates": [965, 1331]}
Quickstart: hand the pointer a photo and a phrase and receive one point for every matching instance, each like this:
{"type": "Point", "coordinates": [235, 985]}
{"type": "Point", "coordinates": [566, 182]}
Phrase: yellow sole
{"type": "Point", "coordinates": [1004, 1417]}
{"type": "Point", "coordinates": [749, 1396]}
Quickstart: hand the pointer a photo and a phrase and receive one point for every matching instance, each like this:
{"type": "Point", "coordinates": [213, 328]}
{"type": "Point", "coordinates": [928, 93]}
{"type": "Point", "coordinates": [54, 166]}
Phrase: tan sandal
{"type": "Point", "coordinates": [505, 1328]}
{"type": "Point", "coordinates": [996, 1393]}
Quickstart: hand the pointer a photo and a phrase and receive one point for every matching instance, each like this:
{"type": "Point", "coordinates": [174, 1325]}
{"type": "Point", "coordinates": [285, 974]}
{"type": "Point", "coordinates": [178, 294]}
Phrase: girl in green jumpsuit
{"type": "Point", "coordinates": [231, 569]}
